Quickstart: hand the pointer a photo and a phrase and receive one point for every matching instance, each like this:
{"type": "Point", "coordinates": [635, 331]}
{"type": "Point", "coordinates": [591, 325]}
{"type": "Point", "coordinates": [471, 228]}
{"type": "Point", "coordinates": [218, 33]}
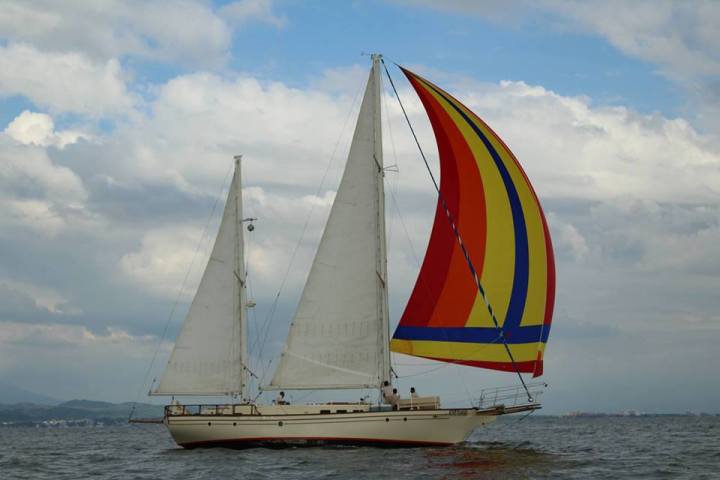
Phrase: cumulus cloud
{"type": "Point", "coordinates": [31, 128]}
{"type": "Point", "coordinates": [680, 38]}
{"type": "Point", "coordinates": [187, 32]}
{"type": "Point", "coordinates": [64, 81]}
{"type": "Point", "coordinates": [30, 168]}
{"type": "Point", "coordinates": [36, 214]}
{"type": "Point", "coordinates": [571, 149]}
{"type": "Point", "coordinates": [162, 262]}
{"type": "Point", "coordinates": [582, 151]}
{"type": "Point", "coordinates": [625, 193]}
{"type": "Point", "coordinates": [35, 191]}
{"type": "Point", "coordinates": [197, 122]}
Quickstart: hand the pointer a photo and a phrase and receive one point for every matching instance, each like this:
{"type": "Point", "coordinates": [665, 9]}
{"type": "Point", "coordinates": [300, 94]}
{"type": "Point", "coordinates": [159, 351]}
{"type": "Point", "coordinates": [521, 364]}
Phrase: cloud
{"type": "Point", "coordinates": [37, 214]}
{"type": "Point", "coordinates": [572, 149]}
{"type": "Point", "coordinates": [244, 11]}
{"type": "Point", "coordinates": [45, 299]}
{"type": "Point", "coordinates": [681, 38]}
{"type": "Point", "coordinates": [185, 32]}
{"type": "Point", "coordinates": [346, 79]}
{"type": "Point", "coordinates": [163, 260]}
{"type": "Point", "coordinates": [54, 334]}
{"type": "Point", "coordinates": [29, 168]}
{"type": "Point", "coordinates": [30, 128]}
{"type": "Point", "coordinates": [632, 201]}
{"type": "Point", "coordinates": [197, 122]}
{"type": "Point", "coordinates": [568, 238]}
{"type": "Point", "coordinates": [103, 365]}
{"type": "Point", "coordinates": [36, 192]}
{"type": "Point", "coordinates": [64, 81]}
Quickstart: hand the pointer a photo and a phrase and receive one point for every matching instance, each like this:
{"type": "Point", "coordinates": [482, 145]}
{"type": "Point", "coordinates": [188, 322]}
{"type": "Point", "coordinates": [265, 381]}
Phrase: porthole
{"type": "Point", "coordinates": [280, 423]}
{"type": "Point", "coordinates": [234, 424]}
{"type": "Point", "coordinates": [209, 423]}
{"type": "Point", "coordinates": [387, 419]}
{"type": "Point", "coordinates": [404, 419]}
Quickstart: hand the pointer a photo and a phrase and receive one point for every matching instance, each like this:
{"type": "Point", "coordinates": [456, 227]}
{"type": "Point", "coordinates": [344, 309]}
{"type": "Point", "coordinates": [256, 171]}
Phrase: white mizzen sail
{"type": "Point", "coordinates": [209, 355]}
{"type": "Point", "coordinates": [339, 336]}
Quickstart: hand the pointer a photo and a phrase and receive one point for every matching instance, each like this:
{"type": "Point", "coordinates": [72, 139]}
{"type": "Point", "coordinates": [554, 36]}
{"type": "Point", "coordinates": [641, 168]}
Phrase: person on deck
{"type": "Point", "coordinates": [413, 393]}
{"type": "Point", "coordinates": [280, 399]}
{"type": "Point", "coordinates": [387, 392]}
{"type": "Point", "coordinates": [395, 400]}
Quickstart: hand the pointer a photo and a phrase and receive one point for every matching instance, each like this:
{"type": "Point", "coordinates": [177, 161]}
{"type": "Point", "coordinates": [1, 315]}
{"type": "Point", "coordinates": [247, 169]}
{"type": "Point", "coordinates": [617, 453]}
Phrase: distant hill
{"type": "Point", "coordinates": [11, 394]}
{"type": "Point", "coordinates": [75, 411]}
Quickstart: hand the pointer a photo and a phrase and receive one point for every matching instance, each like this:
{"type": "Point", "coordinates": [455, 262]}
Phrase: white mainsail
{"type": "Point", "coordinates": [209, 356]}
{"type": "Point", "coordinates": [339, 336]}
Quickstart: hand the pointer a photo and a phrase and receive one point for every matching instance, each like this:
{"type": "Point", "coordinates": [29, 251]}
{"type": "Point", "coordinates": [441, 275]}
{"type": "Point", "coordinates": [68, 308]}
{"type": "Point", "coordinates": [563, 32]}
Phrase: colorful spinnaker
{"type": "Point", "coordinates": [503, 229]}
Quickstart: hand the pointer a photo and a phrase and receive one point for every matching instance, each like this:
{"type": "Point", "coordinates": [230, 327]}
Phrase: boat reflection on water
{"type": "Point", "coordinates": [491, 460]}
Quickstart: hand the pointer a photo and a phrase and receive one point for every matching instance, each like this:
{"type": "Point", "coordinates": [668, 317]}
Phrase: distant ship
{"type": "Point", "coordinates": [483, 298]}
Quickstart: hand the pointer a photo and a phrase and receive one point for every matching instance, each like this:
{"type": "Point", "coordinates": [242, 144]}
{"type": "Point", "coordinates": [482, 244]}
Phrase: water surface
{"type": "Point", "coordinates": [535, 447]}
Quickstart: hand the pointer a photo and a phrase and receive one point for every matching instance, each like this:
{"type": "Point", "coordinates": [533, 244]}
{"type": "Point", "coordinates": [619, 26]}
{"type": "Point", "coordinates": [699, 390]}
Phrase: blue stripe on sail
{"type": "Point", "coordinates": [528, 334]}
{"type": "Point", "coordinates": [518, 295]}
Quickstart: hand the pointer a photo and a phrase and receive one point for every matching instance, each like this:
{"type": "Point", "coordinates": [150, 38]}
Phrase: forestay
{"type": "Point", "coordinates": [207, 358]}
{"type": "Point", "coordinates": [339, 335]}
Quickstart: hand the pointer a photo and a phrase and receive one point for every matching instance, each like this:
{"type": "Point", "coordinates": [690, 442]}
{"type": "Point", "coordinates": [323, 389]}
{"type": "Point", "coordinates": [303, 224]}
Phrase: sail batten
{"type": "Point", "coordinates": [451, 315]}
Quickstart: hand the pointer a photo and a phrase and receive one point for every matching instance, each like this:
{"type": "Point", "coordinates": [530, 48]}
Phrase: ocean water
{"type": "Point", "coordinates": [534, 447]}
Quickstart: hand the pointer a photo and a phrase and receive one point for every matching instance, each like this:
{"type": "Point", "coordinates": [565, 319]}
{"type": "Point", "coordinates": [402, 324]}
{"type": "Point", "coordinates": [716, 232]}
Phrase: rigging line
{"type": "Point", "coordinates": [181, 290]}
{"type": "Point", "coordinates": [271, 314]}
{"type": "Point", "coordinates": [250, 316]}
{"type": "Point", "coordinates": [395, 183]}
{"type": "Point", "coordinates": [426, 371]}
{"type": "Point", "coordinates": [249, 312]}
{"type": "Point", "coordinates": [458, 237]}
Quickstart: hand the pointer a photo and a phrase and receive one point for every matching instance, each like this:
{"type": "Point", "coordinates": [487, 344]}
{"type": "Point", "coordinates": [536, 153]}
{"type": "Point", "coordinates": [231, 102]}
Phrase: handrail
{"type": "Point", "coordinates": [510, 396]}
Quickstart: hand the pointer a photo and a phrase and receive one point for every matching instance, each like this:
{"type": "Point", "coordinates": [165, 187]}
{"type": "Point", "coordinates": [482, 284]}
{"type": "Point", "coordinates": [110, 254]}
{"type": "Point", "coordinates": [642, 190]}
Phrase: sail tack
{"type": "Point", "coordinates": [499, 218]}
{"type": "Point", "coordinates": [339, 335]}
{"type": "Point", "coordinates": [207, 358]}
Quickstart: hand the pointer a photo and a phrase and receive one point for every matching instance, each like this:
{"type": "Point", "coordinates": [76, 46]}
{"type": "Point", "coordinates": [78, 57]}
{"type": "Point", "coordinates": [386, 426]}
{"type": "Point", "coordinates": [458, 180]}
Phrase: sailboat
{"type": "Point", "coordinates": [483, 298]}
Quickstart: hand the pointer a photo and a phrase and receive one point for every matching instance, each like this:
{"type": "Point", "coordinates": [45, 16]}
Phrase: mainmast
{"type": "Point", "coordinates": [382, 282]}
{"type": "Point", "coordinates": [241, 278]}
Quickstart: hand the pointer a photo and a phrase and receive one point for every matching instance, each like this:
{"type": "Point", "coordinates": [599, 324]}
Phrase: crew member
{"type": "Point", "coordinates": [395, 400]}
{"type": "Point", "coordinates": [387, 392]}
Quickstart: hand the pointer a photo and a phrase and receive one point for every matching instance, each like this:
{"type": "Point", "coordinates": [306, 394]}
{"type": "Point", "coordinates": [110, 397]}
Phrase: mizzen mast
{"type": "Point", "coordinates": [241, 278]}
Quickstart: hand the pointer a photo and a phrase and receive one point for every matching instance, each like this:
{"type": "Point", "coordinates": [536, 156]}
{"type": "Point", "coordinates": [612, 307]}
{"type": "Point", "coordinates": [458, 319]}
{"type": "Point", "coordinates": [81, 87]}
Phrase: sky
{"type": "Point", "coordinates": [119, 121]}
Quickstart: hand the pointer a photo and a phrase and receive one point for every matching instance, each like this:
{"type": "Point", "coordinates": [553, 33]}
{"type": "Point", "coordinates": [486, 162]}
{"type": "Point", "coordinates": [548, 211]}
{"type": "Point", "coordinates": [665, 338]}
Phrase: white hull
{"type": "Point", "coordinates": [272, 428]}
